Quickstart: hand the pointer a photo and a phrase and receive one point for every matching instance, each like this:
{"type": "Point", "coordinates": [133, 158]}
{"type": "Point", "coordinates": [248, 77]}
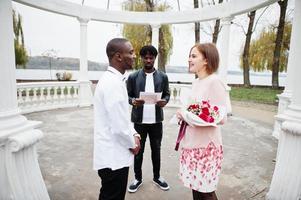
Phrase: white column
{"type": "Point", "coordinates": [85, 91]}
{"type": "Point", "coordinates": [20, 176]}
{"type": "Point", "coordinates": [285, 97]}
{"type": "Point", "coordinates": [224, 46]}
{"type": "Point", "coordinates": [155, 40]}
{"type": "Point", "coordinates": [286, 182]}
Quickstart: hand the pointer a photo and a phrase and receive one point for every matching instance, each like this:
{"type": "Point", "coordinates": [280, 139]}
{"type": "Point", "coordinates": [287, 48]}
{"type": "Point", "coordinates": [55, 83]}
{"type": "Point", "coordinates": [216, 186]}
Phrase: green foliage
{"type": "Point", "coordinates": [165, 47]}
{"type": "Point", "coordinates": [262, 49]}
{"type": "Point", "coordinates": [258, 95]}
{"type": "Point", "coordinates": [21, 56]}
{"type": "Point", "coordinates": [140, 35]}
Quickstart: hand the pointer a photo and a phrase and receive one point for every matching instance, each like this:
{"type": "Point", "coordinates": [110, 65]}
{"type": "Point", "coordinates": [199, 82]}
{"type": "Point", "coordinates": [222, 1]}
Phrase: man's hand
{"type": "Point", "coordinates": [161, 103]}
{"type": "Point", "coordinates": [136, 150]}
{"type": "Point", "coordinates": [138, 102]}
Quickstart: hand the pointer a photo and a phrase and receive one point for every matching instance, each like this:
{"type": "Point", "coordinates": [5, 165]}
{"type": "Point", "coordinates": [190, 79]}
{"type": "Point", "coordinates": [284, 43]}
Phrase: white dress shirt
{"type": "Point", "coordinates": [113, 130]}
{"type": "Point", "coordinates": [149, 110]}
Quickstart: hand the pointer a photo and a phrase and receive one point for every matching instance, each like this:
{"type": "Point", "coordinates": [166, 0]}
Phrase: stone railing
{"type": "Point", "coordinates": [38, 96]}
{"type": "Point", "coordinates": [175, 93]}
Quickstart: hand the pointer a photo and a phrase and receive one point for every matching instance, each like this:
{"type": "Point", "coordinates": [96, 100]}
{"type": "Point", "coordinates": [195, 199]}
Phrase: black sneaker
{"type": "Point", "coordinates": [160, 182]}
{"type": "Point", "coordinates": [134, 186]}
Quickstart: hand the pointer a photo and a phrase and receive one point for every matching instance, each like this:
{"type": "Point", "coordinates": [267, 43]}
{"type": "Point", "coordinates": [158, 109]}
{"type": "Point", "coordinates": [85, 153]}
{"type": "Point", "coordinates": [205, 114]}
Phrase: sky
{"type": "Point", "coordinates": [44, 31]}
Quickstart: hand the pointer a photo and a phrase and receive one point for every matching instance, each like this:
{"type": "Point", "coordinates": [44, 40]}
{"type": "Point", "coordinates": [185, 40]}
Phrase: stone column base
{"type": "Point", "coordinates": [286, 182]}
{"type": "Point", "coordinates": [284, 101]}
{"type": "Point", "coordinates": [20, 175]}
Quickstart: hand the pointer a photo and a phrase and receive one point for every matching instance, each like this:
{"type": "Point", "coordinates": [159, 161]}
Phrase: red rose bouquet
{"type": "Point", "coordinates": [199, 114]}
{"type": "Point", "coordinates": [203, 114]}
{"type": "Point", "coordinates": [205, 111]}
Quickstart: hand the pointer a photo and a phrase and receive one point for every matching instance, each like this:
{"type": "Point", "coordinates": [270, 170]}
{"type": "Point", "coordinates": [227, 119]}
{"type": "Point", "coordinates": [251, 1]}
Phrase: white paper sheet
{"type": "Point", "coordinates": [150, 97]}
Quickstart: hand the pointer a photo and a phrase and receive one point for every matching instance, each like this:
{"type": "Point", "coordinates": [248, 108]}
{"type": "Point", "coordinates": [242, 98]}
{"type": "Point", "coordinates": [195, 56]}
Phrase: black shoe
{"type": "Point", "coordinates": [161, 183]}
{"type": "Point", "coordinates": [135, 186]}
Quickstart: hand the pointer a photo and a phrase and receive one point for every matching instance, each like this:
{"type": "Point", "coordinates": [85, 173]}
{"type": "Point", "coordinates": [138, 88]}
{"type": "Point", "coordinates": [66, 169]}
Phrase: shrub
{"type": "Point", "coordinates": [65, 76]}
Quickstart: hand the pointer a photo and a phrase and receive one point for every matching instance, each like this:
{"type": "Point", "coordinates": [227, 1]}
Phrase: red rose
{"type": "Point", "coordinates": [193, 106]}
{"type": "Point", "coordinates": [215, 108]}
{"type": "Point", "coordinates": [211, 119]}
{"type": "Point", "coordinates": [205, 111]}
{"type": "Point", "coordinates": [206, 104]}
{"type": "Point", "coordinates": [204, 117]}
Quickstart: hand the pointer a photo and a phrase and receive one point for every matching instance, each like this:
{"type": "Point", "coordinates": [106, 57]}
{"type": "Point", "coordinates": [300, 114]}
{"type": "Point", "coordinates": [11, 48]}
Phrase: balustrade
{"type": "Point", "coordinates": [40, 96]}
{"type": "Point", "coordinates": [175, 93]}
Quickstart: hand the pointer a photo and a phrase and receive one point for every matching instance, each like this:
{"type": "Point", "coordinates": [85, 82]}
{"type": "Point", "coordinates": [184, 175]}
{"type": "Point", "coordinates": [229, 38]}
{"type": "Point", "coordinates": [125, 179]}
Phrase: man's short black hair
{"type": "Point", "coordinates": [148, 49]}
{"type": "Point", "coordinates": [114, 46]}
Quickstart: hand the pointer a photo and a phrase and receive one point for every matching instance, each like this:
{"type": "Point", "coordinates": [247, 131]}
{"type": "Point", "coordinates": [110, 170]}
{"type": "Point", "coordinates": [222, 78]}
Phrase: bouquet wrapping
{"type": "Point", "coordinates": [203, 114]}
{"type": "Point", "coordinates": [200, 114]}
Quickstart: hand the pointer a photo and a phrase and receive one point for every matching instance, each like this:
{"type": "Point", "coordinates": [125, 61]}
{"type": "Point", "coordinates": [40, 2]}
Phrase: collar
{"type": "Point", "coordinates": [150, 73]}
{"type": "Point", "coordinates": [144, 73]}
{"type": "Point", "coordinates": [116, 72]}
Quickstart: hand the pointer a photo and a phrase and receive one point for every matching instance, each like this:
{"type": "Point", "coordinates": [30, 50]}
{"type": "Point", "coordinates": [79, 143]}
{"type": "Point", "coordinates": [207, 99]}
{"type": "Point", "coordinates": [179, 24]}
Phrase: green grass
{"type": "Point", "coordinates": [258, 95]}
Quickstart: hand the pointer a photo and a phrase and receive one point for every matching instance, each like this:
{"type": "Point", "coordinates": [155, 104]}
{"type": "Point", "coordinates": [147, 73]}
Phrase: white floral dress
{"type": "Point", "coordinates": [201, 148]}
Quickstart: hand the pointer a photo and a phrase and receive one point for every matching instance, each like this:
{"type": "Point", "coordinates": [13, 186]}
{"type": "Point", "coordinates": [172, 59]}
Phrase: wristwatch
{"type": "Point", "coordinates": [133, 99]}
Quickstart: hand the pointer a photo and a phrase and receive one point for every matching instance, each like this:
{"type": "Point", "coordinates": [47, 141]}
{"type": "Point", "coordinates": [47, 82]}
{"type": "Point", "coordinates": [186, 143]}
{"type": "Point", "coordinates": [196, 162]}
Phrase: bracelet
{"type": "Point", "coordinates": [137, 135]}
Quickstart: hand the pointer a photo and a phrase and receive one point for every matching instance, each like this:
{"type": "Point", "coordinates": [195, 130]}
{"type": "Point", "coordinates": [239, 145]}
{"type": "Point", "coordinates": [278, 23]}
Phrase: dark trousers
{"type": "Point", "coordinates": [203, 196]}
{"type": "Point", "coordinates": [154, 131]}
{"type": "Point", "coordinates": [113, 183]}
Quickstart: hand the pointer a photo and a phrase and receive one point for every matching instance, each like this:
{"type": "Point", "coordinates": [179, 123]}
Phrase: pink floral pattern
{"type": "Point", "coordinates": [200, 167]}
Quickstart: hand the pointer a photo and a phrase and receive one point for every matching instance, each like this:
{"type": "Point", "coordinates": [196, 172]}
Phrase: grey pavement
{"type": "Point", "coordinates": [65, 156]}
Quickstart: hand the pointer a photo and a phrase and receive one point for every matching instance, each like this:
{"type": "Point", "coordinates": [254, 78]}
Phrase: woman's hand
{"type": "Point", "coordinates": [179, 115]}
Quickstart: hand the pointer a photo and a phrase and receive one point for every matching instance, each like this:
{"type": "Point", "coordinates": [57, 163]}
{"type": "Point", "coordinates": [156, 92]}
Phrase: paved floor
{"type": "Point", "coordinates": [65, 156]}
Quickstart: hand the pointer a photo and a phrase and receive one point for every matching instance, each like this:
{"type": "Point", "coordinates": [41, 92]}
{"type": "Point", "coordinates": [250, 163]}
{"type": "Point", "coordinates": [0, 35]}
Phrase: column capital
{"type": "Point", "coordinates": [83, 21]}
{"type": "Point", "coordinates": [155, 26]}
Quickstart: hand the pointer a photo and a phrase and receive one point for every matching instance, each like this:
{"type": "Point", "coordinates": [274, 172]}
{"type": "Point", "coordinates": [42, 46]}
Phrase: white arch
{"type": "Point", "coordinates": [208, 13]}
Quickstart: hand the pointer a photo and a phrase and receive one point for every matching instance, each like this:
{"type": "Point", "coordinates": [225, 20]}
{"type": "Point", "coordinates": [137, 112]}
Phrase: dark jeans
{"type": "Point", "coordinates": [154, 131]}
{"type": "Point", "coordinates": [113, 183]}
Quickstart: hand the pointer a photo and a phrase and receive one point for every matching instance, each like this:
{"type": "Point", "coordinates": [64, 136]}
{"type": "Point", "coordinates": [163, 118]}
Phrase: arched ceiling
{"type": "Point", "coordinates": [211, 12]}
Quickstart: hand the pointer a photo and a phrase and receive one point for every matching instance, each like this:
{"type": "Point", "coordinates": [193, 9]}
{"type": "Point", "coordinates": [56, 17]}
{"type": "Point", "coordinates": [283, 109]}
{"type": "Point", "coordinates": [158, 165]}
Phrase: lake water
{"type": "Point", "coordinates": [233, 77]}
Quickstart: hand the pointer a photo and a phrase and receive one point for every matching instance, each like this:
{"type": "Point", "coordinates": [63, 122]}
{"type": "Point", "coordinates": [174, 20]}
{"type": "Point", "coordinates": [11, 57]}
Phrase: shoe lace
{"type": "Point", "coordinates": [135, 182]}
{"type": "Point", "coordinates": [161, 179]}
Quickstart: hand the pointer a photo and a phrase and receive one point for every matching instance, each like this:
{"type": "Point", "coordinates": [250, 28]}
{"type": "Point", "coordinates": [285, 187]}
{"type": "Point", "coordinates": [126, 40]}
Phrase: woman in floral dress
{"type": "Point", "coordinates": [201, 148]}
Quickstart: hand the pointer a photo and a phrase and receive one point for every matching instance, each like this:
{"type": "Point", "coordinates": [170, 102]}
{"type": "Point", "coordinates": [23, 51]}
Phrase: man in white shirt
{"type": "Point", "coordinates": [148, 118]}
{"type": "Point", "coordinates": [115, 140]}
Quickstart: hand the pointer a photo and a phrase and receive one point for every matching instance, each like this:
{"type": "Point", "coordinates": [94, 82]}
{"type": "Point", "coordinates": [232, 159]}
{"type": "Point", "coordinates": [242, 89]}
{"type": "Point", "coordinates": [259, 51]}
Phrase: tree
{"type": "Point", "coordinates": [278, 43]}
{"type": "Point", "coordinates": [245, 55]}
{"type": "Point", "coordinates": [216, 27]}
{"type": "Point", "coordinates": [21, 56]}
{"type": "Point", "coordinates": [196, 24]}
{"type": "Point", "coordinates": [165, 42]}
{"type": "Point", "coordinates": [141, 35]}
{"type": "Point", "coordinates": [262, 49]}
{"type": "Point", "coordinates": [210, 28]}
{"type": "Point", "coordinates": [244, 59]}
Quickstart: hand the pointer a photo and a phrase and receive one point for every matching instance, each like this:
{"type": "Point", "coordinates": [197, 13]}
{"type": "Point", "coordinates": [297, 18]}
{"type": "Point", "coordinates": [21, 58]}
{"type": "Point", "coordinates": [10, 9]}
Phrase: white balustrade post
{"type": "Point", "coordinates": [155, 40]}
{"type": "Point", "coordinates": [224, 46]}
{"type": "Point", "coordinates": [85, 90]}
{"type": "Point", "coordinates": [286, 181]}
{"type": "Point", "coordinates": [18, 136]}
